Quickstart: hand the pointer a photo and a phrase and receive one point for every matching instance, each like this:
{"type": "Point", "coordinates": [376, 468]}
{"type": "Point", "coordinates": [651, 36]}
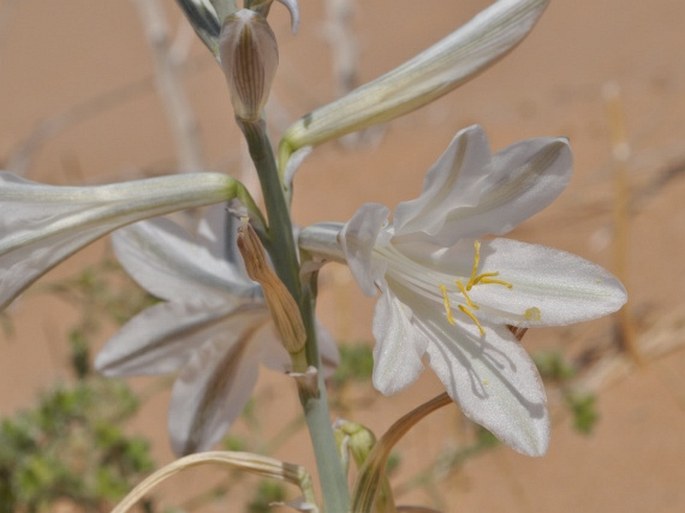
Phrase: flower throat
{"type": "Point", "coordinates": [475, 279]}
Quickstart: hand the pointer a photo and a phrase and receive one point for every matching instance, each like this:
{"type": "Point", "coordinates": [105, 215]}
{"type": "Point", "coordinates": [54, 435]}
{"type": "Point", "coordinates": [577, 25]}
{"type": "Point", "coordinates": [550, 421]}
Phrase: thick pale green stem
{"type": "Point", "coordinates": [317, 416]}
{"type": "Point", "coordinates": [283, 252]}
{"type": "Point", "coordinates": [281, 244]}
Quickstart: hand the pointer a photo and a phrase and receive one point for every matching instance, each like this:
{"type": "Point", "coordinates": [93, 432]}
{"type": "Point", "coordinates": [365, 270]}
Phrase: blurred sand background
{"type": "Point", "coordinates": [86, 68]}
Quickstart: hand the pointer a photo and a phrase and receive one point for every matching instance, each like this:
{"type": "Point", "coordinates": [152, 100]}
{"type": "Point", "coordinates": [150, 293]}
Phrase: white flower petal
{"type": "Point", "coordinates": [564, 287]}
{"type": "Point", "coordinates": [274, 355]}
{"type": "Point", "coordinates": [218, 232]}
{"type": "Point", "coordinates": [455, 179]}
{"type": "Point", "coordinates": [42, 225]}
{"type": "Point", "coordinates": [399, 345]}
{"type": "Point", "coordinates": [357, 240]}
{"type": "Point", "coordinates": [522, 180]}
{"type": "Point", "coordinates": [213, 230]}
{"type": "Point", "coordinates": [493, 379]}
{"type": "Point", "coordinates": [166, 261]}
{"type": "Point", "coordinates": [468, 193]}
{"type": "Point", "coordinates": [549, 287]}
{"type": "Point", "coordinates": [212, 389]}
{"type": "Point", "coordinates": [161, 338]}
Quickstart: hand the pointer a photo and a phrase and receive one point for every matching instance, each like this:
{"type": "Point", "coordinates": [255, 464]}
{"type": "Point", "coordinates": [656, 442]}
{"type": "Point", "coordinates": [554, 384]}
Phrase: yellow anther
{"type": "Point", "coordinates": [473, 317]}
{"type": "Point", "coordinates": [446, 303]}
{"type": "Point", "coordinates": [533, 314]}
{"type": "Point", "coordinates": [476, 262]}
{"type": "Point", "coordinates": [486, 280]}
{"type": "Point", "coordinates": [464, 293]}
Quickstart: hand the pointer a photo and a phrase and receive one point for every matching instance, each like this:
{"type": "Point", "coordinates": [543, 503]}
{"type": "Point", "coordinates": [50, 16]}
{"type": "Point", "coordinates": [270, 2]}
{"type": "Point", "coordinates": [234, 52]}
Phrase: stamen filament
{"type": "Point", "coordinates": [475, 280]}
{"type": "Point", "coordinates": [464, 293]}
{"type": "Point", "coordinates": [446, 303]}
{"type": "Point", "coordinates": [473, 317]}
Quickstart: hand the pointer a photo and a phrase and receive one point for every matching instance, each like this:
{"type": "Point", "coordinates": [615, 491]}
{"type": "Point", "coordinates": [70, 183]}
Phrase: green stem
{"type": "Point", "coordinates": [281, 243]}
{"type": "Point", "coordinates": [283, 252]}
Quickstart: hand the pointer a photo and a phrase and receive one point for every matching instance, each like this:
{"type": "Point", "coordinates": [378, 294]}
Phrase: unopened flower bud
{"type": "Point", "coordinates": [249, 58]}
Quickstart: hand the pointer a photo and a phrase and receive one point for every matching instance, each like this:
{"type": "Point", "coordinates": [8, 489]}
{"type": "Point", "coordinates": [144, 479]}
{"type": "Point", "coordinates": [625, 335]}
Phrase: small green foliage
{"type": "Point", "coordinates": [80, 353]}
{"type": "Point", "coordinates": [249, 413]}
{"type": "Point", "coordinates": [267, 493]}
{"type": "Point", "coordinates": [71, 447]}
{"type": "Point", "coordinates": [393, 463]}
{"type": "Point", "coordinates": [584, 410]}
{"type": "Point", "coordinates": [234, 443]}
{"type": "Point", "coordinates": [553, 366]}
{"type": "Point", "coordinates": [485, 439]}
{"type": "Point", "coordinates": [356, 363]}
{"type": "Point", "coordinates": [555, 369]}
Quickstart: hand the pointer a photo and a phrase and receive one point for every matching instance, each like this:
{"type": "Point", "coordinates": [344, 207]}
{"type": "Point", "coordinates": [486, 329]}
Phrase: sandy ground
{"type": "Point", "coordinates": [85, 68]}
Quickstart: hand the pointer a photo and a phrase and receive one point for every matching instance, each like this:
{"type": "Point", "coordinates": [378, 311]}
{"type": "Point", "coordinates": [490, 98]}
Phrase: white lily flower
{"type": "Point", "coordinates": [433, 73]}
{"type": "Point", "coordinates": [41, 225]}
{"type": "Point", "coordinates": [449, 296]}
{"type": "Point", "coordinates": [213, 327]}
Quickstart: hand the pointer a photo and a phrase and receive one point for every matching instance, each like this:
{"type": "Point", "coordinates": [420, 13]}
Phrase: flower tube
{"type": "Point", "coordinates": [42, 225]}
{"type": "Point", "coordinates": [436, 71]}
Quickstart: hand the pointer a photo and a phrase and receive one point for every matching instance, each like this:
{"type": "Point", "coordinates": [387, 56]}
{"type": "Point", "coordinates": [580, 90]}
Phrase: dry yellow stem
{"type": "Point", "coordinates": [621, 156]}
{"type": "Point", "coordinates": [247, 462]}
